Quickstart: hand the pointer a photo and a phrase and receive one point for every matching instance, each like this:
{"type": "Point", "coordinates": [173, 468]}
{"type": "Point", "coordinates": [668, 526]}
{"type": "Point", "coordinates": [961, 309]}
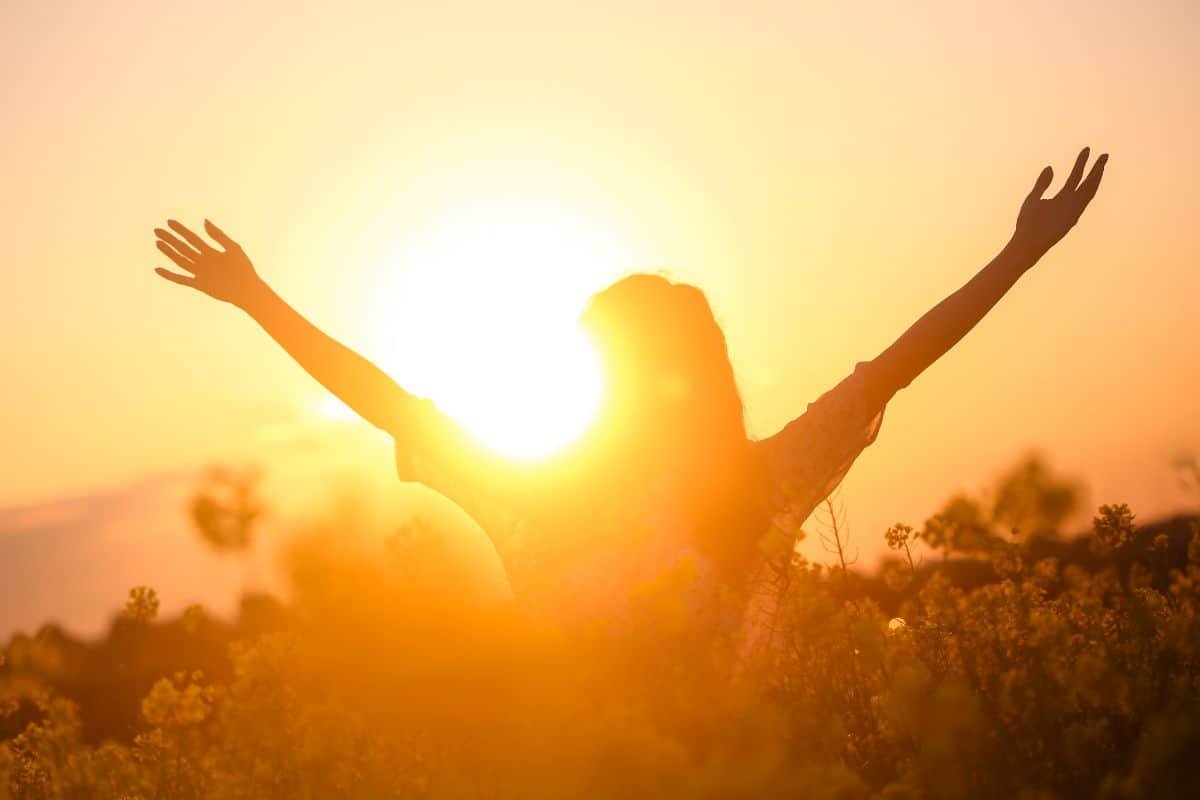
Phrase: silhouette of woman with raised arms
{"type": "Point", "coordinates": [667, 475]}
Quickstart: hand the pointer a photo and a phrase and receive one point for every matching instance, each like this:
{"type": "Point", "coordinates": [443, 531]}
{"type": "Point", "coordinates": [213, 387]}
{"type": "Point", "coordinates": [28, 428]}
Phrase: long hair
{"type": "Point", "coordinates": [673, 415]}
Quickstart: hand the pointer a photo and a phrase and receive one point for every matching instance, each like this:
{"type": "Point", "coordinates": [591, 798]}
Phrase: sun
{"type": "Point", "coordinates": [539, 390]}
{"type": "Point", "coordinates": [480, 313]}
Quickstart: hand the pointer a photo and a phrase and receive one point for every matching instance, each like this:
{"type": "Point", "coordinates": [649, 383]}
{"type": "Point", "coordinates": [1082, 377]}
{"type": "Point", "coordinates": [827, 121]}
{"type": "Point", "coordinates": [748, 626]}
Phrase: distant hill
{"type": "Point", "coordinates": [72, 562]}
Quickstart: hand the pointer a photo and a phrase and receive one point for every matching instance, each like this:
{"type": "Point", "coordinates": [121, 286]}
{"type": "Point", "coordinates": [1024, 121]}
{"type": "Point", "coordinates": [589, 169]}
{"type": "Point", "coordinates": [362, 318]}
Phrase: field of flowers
{"type": "Point", "coordinates": [991, 657]}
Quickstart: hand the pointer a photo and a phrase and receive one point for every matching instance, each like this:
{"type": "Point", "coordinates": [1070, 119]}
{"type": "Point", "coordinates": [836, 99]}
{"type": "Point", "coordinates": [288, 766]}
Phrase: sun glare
{"type": "Point", "coordinates": [334, 409]}
{"type": "Point", "coordinates": [480, 311]}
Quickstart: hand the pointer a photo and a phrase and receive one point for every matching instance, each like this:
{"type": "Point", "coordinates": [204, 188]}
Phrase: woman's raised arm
{"type": "Point", "coordinates": [227, 274]}
{"type": "Point", "coordinates": [1041, 223]}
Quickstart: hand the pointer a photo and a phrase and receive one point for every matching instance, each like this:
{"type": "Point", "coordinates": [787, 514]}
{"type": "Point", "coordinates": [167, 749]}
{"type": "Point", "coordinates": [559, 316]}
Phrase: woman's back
{"type": "Point", "coordinates": [581, 538]}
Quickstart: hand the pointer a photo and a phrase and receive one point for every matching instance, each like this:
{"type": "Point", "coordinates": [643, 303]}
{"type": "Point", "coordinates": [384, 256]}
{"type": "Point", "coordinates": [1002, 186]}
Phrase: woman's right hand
{"type": "Point", "coordinates": [224, 274]}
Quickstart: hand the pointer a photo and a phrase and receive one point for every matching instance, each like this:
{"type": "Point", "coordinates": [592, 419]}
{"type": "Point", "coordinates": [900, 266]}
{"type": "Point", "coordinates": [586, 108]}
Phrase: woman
{"type": "Point", "coordinates": [667, 477]}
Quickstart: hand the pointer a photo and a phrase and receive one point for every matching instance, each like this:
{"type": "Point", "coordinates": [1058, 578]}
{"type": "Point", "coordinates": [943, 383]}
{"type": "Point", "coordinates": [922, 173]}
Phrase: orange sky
{"type": "Point", "coordinates": [826, 174]}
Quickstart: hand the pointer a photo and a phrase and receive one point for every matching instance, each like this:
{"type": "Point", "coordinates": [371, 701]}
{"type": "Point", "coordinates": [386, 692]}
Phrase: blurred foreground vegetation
{"type": "Point", "coordinates": [991, 657]}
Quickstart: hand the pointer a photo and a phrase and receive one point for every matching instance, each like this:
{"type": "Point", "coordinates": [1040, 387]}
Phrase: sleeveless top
{"type": "Point", "coordinates": [527, 511]}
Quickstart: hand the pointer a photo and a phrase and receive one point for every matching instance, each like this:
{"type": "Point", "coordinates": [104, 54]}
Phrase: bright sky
{"type": "Point", "coordinates": [825, 172]}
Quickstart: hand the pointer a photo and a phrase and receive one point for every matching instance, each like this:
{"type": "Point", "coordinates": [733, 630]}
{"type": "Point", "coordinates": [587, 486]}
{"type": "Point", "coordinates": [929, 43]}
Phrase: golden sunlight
{"type": "Point", "coordinates": [498, 287]}
{"type": "Point", "coordinates": [334, 409]}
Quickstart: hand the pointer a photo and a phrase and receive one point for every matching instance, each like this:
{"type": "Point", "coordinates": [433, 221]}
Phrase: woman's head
{"type": "Point", "coordinates": [672, 413]}
{"type": "Point", "coordinates": [668, 367]}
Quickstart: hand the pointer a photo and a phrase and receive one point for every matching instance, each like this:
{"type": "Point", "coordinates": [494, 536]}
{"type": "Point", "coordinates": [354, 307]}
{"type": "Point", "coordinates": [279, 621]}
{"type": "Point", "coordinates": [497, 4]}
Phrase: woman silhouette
{"type": "Point", "coordinates": [667, 476]}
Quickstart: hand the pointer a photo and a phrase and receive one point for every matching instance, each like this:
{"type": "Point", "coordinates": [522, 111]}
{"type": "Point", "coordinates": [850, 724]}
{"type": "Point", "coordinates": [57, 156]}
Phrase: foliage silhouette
{"type": "Point", "coordinates": [1028, 666]}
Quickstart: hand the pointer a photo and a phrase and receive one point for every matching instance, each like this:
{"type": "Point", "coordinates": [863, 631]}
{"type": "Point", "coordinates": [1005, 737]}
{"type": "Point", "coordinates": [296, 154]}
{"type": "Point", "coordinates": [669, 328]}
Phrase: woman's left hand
{"type": "Point", "coordinates": [1042, 222]}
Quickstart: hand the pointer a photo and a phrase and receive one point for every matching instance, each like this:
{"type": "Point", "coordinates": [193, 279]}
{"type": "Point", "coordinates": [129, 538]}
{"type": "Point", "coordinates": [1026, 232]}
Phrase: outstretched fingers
{"type": "Point", "coordinates": [1040, 185]}
{"type": "Point", "coordinates": [175, 255]}
{"type": "Point", "coordinates": [195, 241]}
{"type": "Point", "coordinates": [220, 236]}
{"type": "Point", "coordinates": [173, 277]}
{"type": "Point", "coordinates": [183, 248]}
{"type": "Point", "coordinates": [1072, 182]}
{"type": "Point", "coordinates": [1087, 189]}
